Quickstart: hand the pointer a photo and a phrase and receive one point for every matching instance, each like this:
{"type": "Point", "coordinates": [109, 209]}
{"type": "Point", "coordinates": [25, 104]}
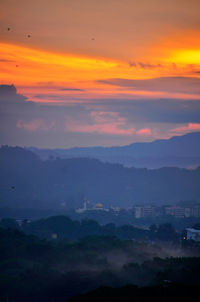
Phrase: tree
{"type": "Point", "coordinates": [166, 232]}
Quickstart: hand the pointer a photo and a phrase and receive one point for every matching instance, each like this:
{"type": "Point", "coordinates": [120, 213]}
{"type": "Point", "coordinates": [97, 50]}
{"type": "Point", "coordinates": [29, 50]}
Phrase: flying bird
{"type": "Point", "coordinates": [8, 28]}
{"type": "Point", "coordinates": [93, 39]}
{"type": "Point", "coordinates": [29, 36]}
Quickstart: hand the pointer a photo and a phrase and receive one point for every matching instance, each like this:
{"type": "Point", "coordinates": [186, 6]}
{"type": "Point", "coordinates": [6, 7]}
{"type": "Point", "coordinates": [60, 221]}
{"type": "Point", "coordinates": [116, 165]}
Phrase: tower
{"type": "Point", "coordinates": [84, 204]}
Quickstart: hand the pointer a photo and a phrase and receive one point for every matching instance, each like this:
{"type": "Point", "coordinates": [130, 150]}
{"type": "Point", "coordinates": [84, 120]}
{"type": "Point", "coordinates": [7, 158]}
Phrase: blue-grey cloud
{"type": "Point", "coordinates": [6, 61]}
{"type": "Point", "coordinates": [71, 89]}
{"type": "Point", "coordinates": [144, 65]}
{"type": "Point", "coordinates": [23, 122]}
{"type": "Point", "coordinates": [50, 96]}
{"type": "Point", "coordinates": [186, 85]}
{"type": "Point", "coordinates": [58, 97]}
{"type": "Point", "coordinates": [159, 110]}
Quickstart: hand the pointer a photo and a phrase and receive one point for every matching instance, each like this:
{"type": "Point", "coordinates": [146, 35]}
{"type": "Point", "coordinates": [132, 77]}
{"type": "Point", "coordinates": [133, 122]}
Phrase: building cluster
{"type": "Point", "coordinates": [95, 207]}
{"type": "Point", "coordinates": [175, 211]}
{"type": "Point", "coordinates": [192, 234]}
{"type": "Point", "coordinates": [145, 211]}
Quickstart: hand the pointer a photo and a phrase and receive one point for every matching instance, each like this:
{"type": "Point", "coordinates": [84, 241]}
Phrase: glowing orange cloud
{"type": "Point", "coordinates": [47, 71]}
{"type": "Point", "coordinates": [184, 129]}
{"type": "Point", "coordinates": [145, 131]}
{"type": "Point", "coordinates": [187, 56]}
{"type": "Point", "coordinates": [181, 49]}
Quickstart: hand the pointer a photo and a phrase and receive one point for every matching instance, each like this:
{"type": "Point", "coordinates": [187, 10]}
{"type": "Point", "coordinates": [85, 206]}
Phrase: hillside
{"type": "Point", "coordinates": [27, 181]}
{"type": "Point", "coordinates": [178, 151]}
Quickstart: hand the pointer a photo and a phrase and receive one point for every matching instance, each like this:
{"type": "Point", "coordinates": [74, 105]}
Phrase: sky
{"type": "Point", "coordinates": [88, 73]}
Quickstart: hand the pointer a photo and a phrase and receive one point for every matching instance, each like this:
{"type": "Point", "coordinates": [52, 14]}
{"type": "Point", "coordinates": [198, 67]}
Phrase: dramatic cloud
{"type": "Point", "coordinates": [145, 131]}
{"type": "Point", "coordinates": [71, 89]}
{"type": "Point", "coordinates": [82, 81]}
{"type": "Point", "coordinates": [128, 29]}
{"type": "Point", "coordinates": [186, 85]}
{"type": "Point", "coordinates": [95, 122]}
{"type": "Point", "coordinates": [144, 65]}
{"type": "Point", "coordinates": [102, 123]}
{"type": "Point", "coordinates": [184, 129]}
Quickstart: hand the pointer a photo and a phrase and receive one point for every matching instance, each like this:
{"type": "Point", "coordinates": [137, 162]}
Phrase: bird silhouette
{"type": "Point", "coordinates": [29, 36]}
{"type": "Point", "coordinates": [8, 28]}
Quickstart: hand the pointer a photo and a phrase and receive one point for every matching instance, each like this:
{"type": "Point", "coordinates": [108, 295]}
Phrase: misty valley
{"type": "Point", "coordinates": [60, 262]}
{"type": "Point", "coordinates": [83, 230]}
{"type": "Point", "coordinates": [99, 151]}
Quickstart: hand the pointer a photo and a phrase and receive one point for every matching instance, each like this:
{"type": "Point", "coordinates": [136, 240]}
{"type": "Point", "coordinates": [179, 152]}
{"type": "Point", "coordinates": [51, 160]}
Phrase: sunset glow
{"type": "Point", "coordinates": [190, 56]}
{"type": "Point", "coordinates": [30, 67]}
{"type": "Point", "coordinates": [112, 66]}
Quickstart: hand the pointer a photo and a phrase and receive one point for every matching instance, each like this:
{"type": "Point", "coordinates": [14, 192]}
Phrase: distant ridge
{"type": "Point", "coordinates": [29, 182]}
{"type": "Point", "coordinates": [178, 151]}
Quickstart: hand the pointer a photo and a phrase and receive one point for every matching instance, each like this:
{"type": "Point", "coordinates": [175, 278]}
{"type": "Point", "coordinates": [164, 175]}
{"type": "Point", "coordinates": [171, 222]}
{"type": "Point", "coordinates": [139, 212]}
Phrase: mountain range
{"type": "Point", "coordinates": [178, 151]}
{"type": "Point", "coordinates": [29, 182]}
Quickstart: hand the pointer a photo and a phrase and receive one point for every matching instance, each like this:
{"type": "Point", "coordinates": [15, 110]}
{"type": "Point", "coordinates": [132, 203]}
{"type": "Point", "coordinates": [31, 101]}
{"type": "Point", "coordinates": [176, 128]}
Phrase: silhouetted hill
{"type": "Point", "coordinates": [178, 151]}
{"type": "Point", "coordinates": [27, 181]}
{"type": "Point", "coordinates": [128, 293]}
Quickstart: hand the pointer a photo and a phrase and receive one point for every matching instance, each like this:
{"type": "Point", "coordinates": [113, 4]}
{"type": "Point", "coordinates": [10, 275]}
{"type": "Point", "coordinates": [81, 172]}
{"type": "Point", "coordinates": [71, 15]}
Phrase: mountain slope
{"type": "Point", "coordinates": [27, 181]}
{"type": "Point", "coordinates": [180, 151]}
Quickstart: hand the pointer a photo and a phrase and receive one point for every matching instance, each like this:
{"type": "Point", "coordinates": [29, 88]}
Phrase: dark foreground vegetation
{"type": "Point", "coordinates": [34, 269]}
{"type": "Point", "coordinates": [63, 227]}
{"type": "Point", "coordinates": [122, 217]}
{"type": "Point", "coordinates": [130, 293]}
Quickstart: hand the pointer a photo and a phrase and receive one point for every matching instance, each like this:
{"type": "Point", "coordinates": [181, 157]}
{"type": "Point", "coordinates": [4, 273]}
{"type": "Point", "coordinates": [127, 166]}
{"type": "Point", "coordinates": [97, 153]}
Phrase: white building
{"type": "Point", "coordinates": [193, 234]}
{"type": "Point", "coordinates": [82, 210]}
{"type": "Point", "coordinates": [138, 212]}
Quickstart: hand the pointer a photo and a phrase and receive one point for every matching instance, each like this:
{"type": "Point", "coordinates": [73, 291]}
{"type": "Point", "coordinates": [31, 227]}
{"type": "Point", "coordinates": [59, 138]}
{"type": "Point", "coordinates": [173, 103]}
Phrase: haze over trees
{"type": "Point", "coordinates": [33, 269]}
{"type": "Point", "coordinates": [64, 227]}
{"type": "Point", "coordinates": [49, 183]}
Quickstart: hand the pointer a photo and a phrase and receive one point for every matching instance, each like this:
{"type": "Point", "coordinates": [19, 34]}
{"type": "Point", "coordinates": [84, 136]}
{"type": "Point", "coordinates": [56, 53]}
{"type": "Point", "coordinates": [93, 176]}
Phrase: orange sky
{"type": "Point", "coordinates": [76, 43]}
{"type": "Point", "coordinates": [27, 67]}
{"type": "Point", "coordinates": [74, 52]}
